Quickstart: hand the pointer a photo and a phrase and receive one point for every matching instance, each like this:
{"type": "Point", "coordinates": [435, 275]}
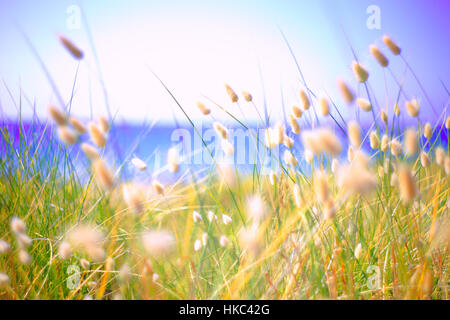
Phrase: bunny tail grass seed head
{"type": "Point", "coordinates": [288, 141]}
{"type": "Point", "coordinates": [173, 159]}
{"type": "Point", "coordinates": [226, 219]}
{"type": "Point", "coordinates": [90, 151]}
{"type": "Point", "coordinates": [354, 133]}
{"type": "Point", "coordinates": [103, 124]}
{"type": "Point", "coordinates": [223, 241]}
{"type": "Point", "coordinates": [158, 187]}
{"type": "Point", "coordinates": [57, 115]}
{"type": "Point", "coordinates": [334, 165]}
{"type": "Point", "coordinates": [233, 96]}
{"type": "Point", "coordinates": [439, 154]}
{"type": "Point", "coordinates": [158, 243]}
{"type": "Point", "coordinates": [97, 136]}
{"type": "Point", "coordinates": [424, 159]}
{"type": "Point", "coordinates": [356, 179]}
{"type": "Point", "coordinates": [221, 130]}
{"type": "Point", "coordinates": [297, 112]}
{"type": "Point", "coordinates": [407, 184]}
{"type": "Point", "coordinates": [447, 123]}
{"type": "Point", "coordinates": [447, 165]}
{"type": "Point", "coordinates": [211, 216]}
{"type": "Point", "coordinates": [412, 107]}
{"type": "Point", "coordinates": [73, 49]}
{"type": "Point", "coordinates": [67, 135]}
{"type": "Point", "coordinates": [203, 109]}
{"type": "Point", "coordinates": [428, 131]}
{"type": "Point", "coordinates": [321, 140]}
{"type": "Point", "coordinates": [297, 196]}
{"type": "Point", "coordinates": [24, 257]}
{"type": "Point", "coordinates": [396, 109]}
{"type": "Point", "coordinates": [4, 280]}
{"type": "Point", "coordinates": [346, 92]}
{"type": "Point", "coordinates": [247, 96]}
{"type": "Point", "coordinates": [304, 99]}
{"type": "Point", "coordinates": [197, 245]}
{"type": "Point", "coordinates": [364, 104]}
{"type": "Point", "coordinates": [65, 250]}
{"type": "Point", "coordinates": [411, 142]}
{"type": "Point", "coordinates": [103, 174]}
{"type": "Point", "coordinates": [324, 107]}
{"type": "Point", "coordinates": [84, 264]}
{"type": "Point", "coordinates": [360, 73]}
{"type": "Point", "coordinates": [250, 240]}
{"type": "Point", "coordinates": [134, 197]}
{"type": "Point", "coordinates": [395, 49]}
{"type": "Point", "coordinates": [374, 140]}
{"type": "Point", "coordinates": [77, 125]}
{"type": "Point", "coordinates": [376, 53]}
{"type": "Point", "coordinates": [196, 216]}
{"type": "Point", "coordinates": [384, 117]}
{"type": "Point", "coordinates": [321, 187]}
{"type": "Point", "coordinates": [396, 147]}
{"type": "Point", "coordinates": [18, 226]}
{"type": "Point", "coordinates": [138, 163]}
{"type": "Point", "coordinates": [87, 239]}
{"type": "Point", "coordinates": [384, 143]}
{"type": "Point", "coordinates": [256, 208]}
{"type": "Point", "coordinates": [294, 124]}
{"type": "Point", "coordinates": [4, 247]}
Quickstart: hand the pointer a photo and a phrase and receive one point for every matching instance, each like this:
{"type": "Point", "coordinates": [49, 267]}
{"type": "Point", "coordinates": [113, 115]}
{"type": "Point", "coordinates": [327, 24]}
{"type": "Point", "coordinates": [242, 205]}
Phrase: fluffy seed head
{"type": "Point", "coordinates": [288, 142]}
{"type": "Point", "coordinates": [24, 257]}
{"type": "Point", "coordinates": [87, 239]}
{"type": "Point", "coordinates": [439, 153]}
{"type": "Point", "coordinates": [384, 143]}
{"type": "Point", "coordinates": [364, 104]}
{"type": "Point", "coordinates": [221, 130]}
{"type": "Point", "coordinates": [294, 124]}
{"type": "Point", "coordinates": [233, 96]}
{"type": "Point", "coordinates": [103, 174]}
{"type": "Point", "coordinates": [412, 107]}
{"type": "Point", "coordinates": [226, 219]}
{"type": "Point", "coordinates": [211, 216]}
{"type": "Point", "coordinates": [256, 208]}
{"type": "Point", "coordinates": [4, 280]}
{"type": "Point", "coordinates": [407, 184]}
{"type": "Point", "coordinates": [196, 216]}
{"type": "Point", "coordinates": [374, 140]}
{"type": "Point", "coordinates": [384, 117]}
{"type": "Point", "coordinates": [223, 241]}
{"type": "Point", "coordinates": [139, 164]}
{"type": "Point", "coordinates": [395, 49]}
{"type": "Point", "coordinates": [411, 142]}
{"type": "Point", "coordinates": [158, 187]}
{"type": "Point", "coordinates": [329, 210]}
{"type": "Point", "coordinates": [396, 110]}
{"type": "Point", "coordinates": [296, 112]}
{"type": "Point", "coordinates": [197, 245]}
{"type": "Point", "coordinates": [134, 197]}
{"type": "Point", "coordinates": [447, 123]}
{"type": "Point", "coordinates": [321, 140]}
{"type": "Point", "coordinates": [334, 165]}
{"type": "Point", "coordinates": [67, 135]}
{"type": "Point", "coordinates": [250, 240]}
{"type": "Point", "coordinates": [89, 151]}
{"type": "Point", "coordinates": [204, 109]}
{"type": "Point", "coordinates": [447, 165]}
{"type": "Point", "coordinates": [358, 251]}
{"type": "Point", "coordinates": [72, 48]}
{"type": "Point", "coordinates": [396, 147]}
{"type": "Point", "coordinates": [58, 116]}
{"type": "Point", "coordinates": [350, 153]}
{"type": "Point", "coordinates": [173, 160]}
{"type": "Point", "coordinates": [427, 131]}
{"type": "Point", "coordinates": [247, 96]}
{"type": "Point", "coordinates": [77, 125]}
{"type": "Point", "coordinates": [356, 179]}
{"type": "Point", "coordinates": [424, 159]}
{"type": "Point", "coordinates": [124, 273]}
{"type": "Point", "coordinates": [4, 247]}
{"type": "Point", "coordinates": [354, 133]}
{"type": "Point", "coordinates": [381, 58]}
{"type": "Point", "coordinates": [103, 124]}
{"type": "Point", "coordinates": [324, 107]}
{"type": "Point", "coordinates": [158, 243]}
{"type": "Point", "coordinates": [346, 92]}
{"type": "Point", "coordinates": [309, 156]}
{"type": "Point", "coordinates": [361, 74]}
{"type": "Point", "coordinates": [23, 240]}
{"type": "Point", "coordinates": [97, 136]}
{"type": "Point", "coordinates": [304, 99]}
{"type": "Point", "coordinates": [65, 250]}
{"type": "Point", "coordinates": [84, 264]}
{"type": "Point", "coordinates": [18, 226]}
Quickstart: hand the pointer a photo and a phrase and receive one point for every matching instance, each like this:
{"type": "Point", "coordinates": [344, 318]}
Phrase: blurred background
{"type": "Point", "coordinates": [197, 46]}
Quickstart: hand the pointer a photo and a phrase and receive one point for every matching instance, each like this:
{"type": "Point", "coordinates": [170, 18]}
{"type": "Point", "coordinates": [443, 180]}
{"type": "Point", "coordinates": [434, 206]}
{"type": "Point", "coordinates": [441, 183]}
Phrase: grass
{"type": "Point", "coordinates": [376, 246]}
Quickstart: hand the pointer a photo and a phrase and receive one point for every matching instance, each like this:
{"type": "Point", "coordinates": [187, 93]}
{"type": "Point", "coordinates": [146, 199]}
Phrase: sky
{"type": "Point", "coordinates": [197, 46]}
